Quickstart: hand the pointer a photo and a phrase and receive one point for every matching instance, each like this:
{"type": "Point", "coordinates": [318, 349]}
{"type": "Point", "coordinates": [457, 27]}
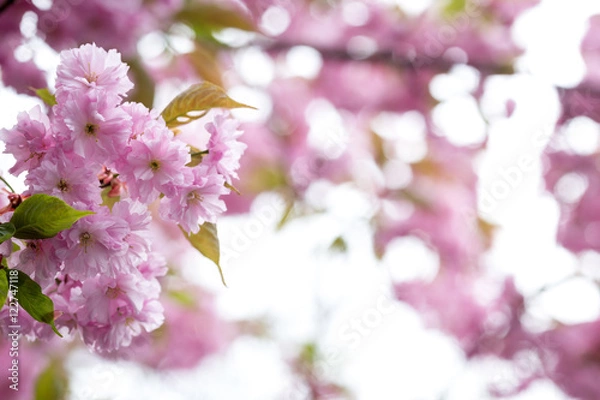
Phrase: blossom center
{"type": "Point", "coordinates": [112, 293]}
{"type": "Point", "coordinates": [85, 239]}
{"type": "Point", "coordinates": [90, 129]}
{"type": "Point", "coordinates": [33, 246]}
{"type": "Point", "coordinates": [194, 197]}
{"type": "Point", "coordinates": [154, 165]}
{"type": "Point", "coordinates": [63, 186]}
{"type": "Point", "coordinates": [91, 77]}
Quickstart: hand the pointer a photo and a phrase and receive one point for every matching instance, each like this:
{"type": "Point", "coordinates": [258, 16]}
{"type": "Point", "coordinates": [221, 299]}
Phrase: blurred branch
{"type": "Point", "coordinates": [392, 58]}
{"type": "Point", "coordinates": [5, 5]}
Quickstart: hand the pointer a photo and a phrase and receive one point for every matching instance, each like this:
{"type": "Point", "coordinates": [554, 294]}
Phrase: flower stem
{"type": "Point", "coordinates": [7, 184]}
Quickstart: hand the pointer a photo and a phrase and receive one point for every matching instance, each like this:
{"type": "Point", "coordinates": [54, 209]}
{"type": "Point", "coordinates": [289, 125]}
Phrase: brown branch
{"type": "Point", "coordinates": [5, 5]}
{"type": "Point", "coordinates": [392, 58]}
{"type": "Point", "coordinates": [583, 99]}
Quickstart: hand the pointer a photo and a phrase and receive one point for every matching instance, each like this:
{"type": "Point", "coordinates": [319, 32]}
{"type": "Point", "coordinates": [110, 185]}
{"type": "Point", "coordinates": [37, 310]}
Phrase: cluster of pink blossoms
{"type": "Point", "coordinates": [102, 273]}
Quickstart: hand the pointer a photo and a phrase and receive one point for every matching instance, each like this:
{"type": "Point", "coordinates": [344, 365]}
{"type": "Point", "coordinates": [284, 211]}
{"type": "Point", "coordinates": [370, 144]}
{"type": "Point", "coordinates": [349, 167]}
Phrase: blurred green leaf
{"type": "Point", "coordinates": [46, 96]}
{"type": "Point", "coordinates": [454, 7]}
{"type": "Point", "coordinates": [144, 86]}
{"type": "Point", "coordinates": [182, 297]}
{"type": "Point", "coordinates": [339, 245]}
{"type": "Point", "coordinates": [3, 288]}
{"type": "Point", "coordinates": [266, 177]}
{"type": "Point", "coordinates": [52, 383]}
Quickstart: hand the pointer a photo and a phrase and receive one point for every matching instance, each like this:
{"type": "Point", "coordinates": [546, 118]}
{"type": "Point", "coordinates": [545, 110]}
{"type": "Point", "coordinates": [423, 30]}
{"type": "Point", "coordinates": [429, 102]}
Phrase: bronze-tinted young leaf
{"type": "Point", "coordinates": [42, 216]}
{"type": "Point", "coordinates": [7, 230]}
{"type": "Point", "coordinates": [52, 383]}
{"type": "Point", "coordinates": [206, 241]}
{"type": "Point", "coordinates": [32, 300]}
{"type": "Point", "coordinates": [46, 96]}
{"type": "Point", "coordinates": [204, 18]}
{"type": "Point", "coordinates": [205, 62]}
{"type": "Point", "coordinates": [195, 103]}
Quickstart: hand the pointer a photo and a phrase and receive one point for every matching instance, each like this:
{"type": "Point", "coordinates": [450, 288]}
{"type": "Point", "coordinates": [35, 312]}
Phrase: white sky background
{"type": "Point", "coordinates": [289, 277]}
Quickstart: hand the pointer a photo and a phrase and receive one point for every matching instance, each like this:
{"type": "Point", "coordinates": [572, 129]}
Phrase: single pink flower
{"type": "Point", "coordinates": [91, 68]}
{"type": "Point", "coordinates": [198, 202]}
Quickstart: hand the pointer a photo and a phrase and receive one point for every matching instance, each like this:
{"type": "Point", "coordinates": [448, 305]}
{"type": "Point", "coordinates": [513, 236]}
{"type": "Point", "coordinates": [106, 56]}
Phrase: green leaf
{"type": "Point", "coordinates": [195, 102]}
{"type": "Point", "coordinates": [206, 241]}
{"type": "Point", "coordinates": [41, 216]}
{"type": "Point", "coordinates": [3, 288]}
{"type": "Point", "coordinates": [7, 230]}
{"type": "Point", "coordinates": [32, 300]}
{"type": "Point", "coordinates": [108, 200]}
{"type": "Point", "coordinates": [52, 383]}
{"type": "Point", "coordinates": [339, 245]}
{"type": "Point", "coordinates": [46, 96]}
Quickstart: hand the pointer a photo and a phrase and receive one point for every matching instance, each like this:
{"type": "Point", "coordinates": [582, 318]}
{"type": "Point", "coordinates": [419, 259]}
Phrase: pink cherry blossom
{"type": "Point", "coordinates": [68, 177]}
{"type": "Point", "coordinates": [89, 247]}
{"type": "Point", "coordinates": [155, 165]}
{"type": "Point", "coordinates": [29, 140]}
{"type": "Point", "coordinates": [191, 332]}
{"type": "Point", "coordinates": [39, 261]}
{"type": "Point", "coordinates": [224, 150]}
{"type": "Point", "coordinates": [197, 202]}
{"type": "Point", "coordinates": [137, 217]}
{"type": "Point", "coordinates": [99, 130]}
{"type": "Point", "coordinates": [92, 69]}
{"type": "Point", "coordinates": [116, 309]}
